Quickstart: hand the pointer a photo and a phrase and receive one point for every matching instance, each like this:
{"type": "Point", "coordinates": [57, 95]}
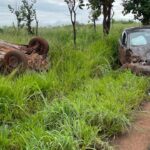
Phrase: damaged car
{"type": "Point", "coordinates": [134, 50]}
{"type": "Point", "coordinates": [22, 57]}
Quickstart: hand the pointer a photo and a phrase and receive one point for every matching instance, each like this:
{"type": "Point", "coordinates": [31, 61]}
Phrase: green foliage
{"type": "Point", "coordinates": [79, 103]}
{"type": "Point", "coordinates": [104, 6]}
{"type": "Point", "coordinates": [94, 15]}
{"type": "Point", "coordinates": [25, 13]}
{"type": "Point", "coordinates": [73, 5]}
{"type": "Point", "coordinates": [18, 13]}
{"type": "Point", "coordinates": [139, 8]}
{"type": "Point", "coordinates": [28, 13]}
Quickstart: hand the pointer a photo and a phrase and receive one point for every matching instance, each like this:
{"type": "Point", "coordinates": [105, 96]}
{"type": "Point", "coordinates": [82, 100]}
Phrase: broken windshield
{"type": "Point", "coordinates": [140, 38]}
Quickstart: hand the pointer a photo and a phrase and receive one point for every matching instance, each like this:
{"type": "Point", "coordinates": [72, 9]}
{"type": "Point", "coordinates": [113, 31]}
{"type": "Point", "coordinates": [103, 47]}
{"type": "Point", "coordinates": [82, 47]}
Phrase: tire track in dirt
{"type": "Point", "coordinates": [138, 136]}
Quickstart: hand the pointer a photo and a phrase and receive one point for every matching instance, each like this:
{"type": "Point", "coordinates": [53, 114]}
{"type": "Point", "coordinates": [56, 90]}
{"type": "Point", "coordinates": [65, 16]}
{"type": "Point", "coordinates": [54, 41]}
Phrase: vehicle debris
{"type": "Point", "coordinates": [134, 50]}
{"type": "Point", "coordinates": [32, 56]}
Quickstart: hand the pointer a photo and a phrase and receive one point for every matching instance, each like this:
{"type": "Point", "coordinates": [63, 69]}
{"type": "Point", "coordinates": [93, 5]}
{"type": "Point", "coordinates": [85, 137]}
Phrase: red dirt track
{"type": "Point", "coordinates": [138, 136]}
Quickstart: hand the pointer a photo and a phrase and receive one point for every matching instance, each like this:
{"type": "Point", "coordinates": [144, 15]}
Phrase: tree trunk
{"type": "Point", "coordinates": [73, 20]}
{"type": "Point", "coordinates": [37, 25]}
{"type": "Point", "coordinates": [29, 21]}
{"type": "Point", "coordinates": [94, 24]}
{"type": "Point", "coordinates": [107, 18]}
{"type": "Point", "coordinates": [74, 33]}
{"type": "Point", "coordinates": [29, 27]}
{"type": "Point", "coordinates": [18, 23]}
{"type": "Point", "coordinates": [105, 29]}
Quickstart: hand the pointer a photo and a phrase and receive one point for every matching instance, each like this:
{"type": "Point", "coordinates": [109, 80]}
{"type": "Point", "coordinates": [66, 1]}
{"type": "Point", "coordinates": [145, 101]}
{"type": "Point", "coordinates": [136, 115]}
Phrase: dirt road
{"type": "Point", "coordinates": [138, 136]}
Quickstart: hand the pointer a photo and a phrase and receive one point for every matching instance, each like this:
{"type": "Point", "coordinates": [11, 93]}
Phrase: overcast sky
{"type": "Point", "coordinates": [53, 12]}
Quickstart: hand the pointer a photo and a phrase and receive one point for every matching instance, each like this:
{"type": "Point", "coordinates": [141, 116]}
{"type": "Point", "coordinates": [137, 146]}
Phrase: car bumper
{"type": "Point", "coordinates": [138, 69]}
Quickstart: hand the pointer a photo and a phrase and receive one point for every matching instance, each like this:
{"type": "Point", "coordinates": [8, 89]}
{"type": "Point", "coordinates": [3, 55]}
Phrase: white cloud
{"type": "Point", "coordinates": [52, 12]}
{"type": "Point", "coordinates": [118, 8]}
{"type": "Point", "coordinates": [58, 2]}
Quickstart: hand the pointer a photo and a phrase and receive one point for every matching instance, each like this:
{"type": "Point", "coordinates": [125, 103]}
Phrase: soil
{"type": "Point", "coordinates": [138, 136]}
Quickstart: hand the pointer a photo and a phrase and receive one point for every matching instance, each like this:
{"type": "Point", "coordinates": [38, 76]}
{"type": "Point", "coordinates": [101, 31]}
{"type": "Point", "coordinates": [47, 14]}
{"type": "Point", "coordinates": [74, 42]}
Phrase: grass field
{"type": "Point", "coordinates": [82, 101]}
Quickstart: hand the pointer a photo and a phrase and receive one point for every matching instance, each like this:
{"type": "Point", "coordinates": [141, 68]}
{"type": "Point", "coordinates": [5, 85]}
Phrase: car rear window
{"type": "Point", "coordinates": [140, 38]}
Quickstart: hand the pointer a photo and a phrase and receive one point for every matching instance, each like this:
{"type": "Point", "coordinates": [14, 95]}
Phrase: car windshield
{"type": "Point", "coordinates": [140, 38]}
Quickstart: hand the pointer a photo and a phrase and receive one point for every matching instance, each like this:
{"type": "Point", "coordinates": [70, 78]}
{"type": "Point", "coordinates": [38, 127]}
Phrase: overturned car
{"type": "Point", "coordinates": [21, 57]}
{"type": "Point", "coordinates": [134, 50]}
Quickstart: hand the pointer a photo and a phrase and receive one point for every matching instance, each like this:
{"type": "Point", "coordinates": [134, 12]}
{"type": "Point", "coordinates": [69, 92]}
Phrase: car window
{"type": "Point", "coordinates": [124, 39]}
{"type": "Point", "coordinates": [140, 38]}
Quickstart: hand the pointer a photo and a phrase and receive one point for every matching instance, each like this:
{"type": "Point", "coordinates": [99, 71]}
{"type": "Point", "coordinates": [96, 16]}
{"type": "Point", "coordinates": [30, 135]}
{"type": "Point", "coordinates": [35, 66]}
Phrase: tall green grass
{"type": "Point", "coordinates": [80, 103]}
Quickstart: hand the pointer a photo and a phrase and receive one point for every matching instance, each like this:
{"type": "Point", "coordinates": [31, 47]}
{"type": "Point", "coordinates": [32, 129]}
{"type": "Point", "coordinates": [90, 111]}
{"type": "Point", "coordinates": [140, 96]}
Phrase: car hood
{"type": "Point", "coordinates": [140, 60]}
{"type": "Point", "coordinates": [142, 51]}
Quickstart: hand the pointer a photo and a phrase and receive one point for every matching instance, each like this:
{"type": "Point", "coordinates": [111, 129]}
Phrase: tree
{"type": "Point", "coordinates": [95, 11]}
{"type": "Point", "coordinates": [73, 5]}
{"type": "Point", "coordinates": [104, 6]}
{"type": "Point", "coordinates": [107, 9]}
{"type": "Point", "coordinates": [29, 14]}
{"type": "Point", "coordinates": [94, 14]}
{"type": "Point", "coordinates": [37, 23]}
{"type": "Point", "coordinates": [140, 9]}
{"type": "Point", "coordinates": [18, 13]}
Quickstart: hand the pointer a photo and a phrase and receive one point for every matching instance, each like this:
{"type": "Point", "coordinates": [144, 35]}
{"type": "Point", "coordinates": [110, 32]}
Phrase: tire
{"type": "Point", "coordinates": [15, 60]}
{"type": "Point", "coordinates": [40, 45]}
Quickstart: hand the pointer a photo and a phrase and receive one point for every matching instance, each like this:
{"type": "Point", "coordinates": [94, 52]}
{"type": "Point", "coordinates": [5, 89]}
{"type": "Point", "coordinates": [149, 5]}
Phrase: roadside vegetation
{"type": "Point", "coordinates": [80, 103]}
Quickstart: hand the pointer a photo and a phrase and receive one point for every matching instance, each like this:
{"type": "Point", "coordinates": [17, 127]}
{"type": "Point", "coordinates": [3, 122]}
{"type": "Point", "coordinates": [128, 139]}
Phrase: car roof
{"type": "Point", "coordinates": [133, 29]}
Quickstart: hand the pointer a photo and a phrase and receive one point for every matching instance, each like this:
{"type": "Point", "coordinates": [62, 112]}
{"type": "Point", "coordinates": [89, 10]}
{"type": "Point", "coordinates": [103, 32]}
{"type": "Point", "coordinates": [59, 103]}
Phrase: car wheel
{"type": "Point", "coordinates": [15, 60]}
{"type": "Point", "coordinates": [40, 45]}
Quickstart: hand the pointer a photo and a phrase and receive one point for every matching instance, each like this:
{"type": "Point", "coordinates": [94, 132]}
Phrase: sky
{"type": "Point", "coordinates": [54, 12]}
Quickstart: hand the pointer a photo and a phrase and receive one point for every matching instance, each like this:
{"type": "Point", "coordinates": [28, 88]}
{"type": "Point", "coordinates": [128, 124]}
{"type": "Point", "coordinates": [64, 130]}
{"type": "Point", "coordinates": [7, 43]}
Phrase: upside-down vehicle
{"type": "Point", "coordinates": [21, 57]}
